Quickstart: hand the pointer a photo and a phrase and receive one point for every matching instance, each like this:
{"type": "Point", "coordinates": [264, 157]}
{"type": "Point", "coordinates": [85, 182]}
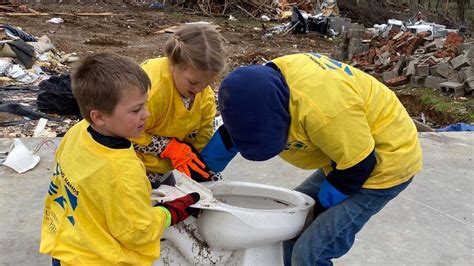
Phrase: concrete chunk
{"type": "Point", "coordinates": [460, 62]}
{"type": "Point", "coordinates": [417, 81]}
{"type": "Point", "coordinates": [355, 42]}
{"type": "Point", "coordinates": [454, 88]}
{"type": "Point", "coordinates": [423, 70]}
{"type": "Point", "coordinates": [466, 73]}
{"type": "Point", "coordinates": [433, 82]}
{"type": "Point", "coordinates": [411, 70]}
{"type": "Point", "coordinates": [470, 86]}
{"type": "Point", "coordinates": [443, 69]}
{"type": "Point", "coordinates": [469, 52]}
{"type": "Point", "coordinates": [388, 75]}
{"type": "Point", "coordinates": [400, 64]}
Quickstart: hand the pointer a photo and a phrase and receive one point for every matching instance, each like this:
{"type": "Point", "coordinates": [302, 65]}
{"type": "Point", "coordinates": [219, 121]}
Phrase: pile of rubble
{"type": "Point", "coordinates": [30, 87]}
{"type": "Point", "coordinates": [420, 55]}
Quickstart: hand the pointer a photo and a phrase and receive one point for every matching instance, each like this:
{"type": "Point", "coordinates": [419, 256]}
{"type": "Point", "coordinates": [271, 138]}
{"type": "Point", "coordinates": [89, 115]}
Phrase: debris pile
{"type": "Point", "coordinates": [424, 55]}
{"type": "Point", "coordinates": [28, 83]}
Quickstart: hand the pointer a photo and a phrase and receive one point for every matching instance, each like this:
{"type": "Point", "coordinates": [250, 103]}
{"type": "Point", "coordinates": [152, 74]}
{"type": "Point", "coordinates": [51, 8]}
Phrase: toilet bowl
{"type": "Point", "coordinates": [246, 215]}
{"type": "Point", "coordinates": [240, 223]}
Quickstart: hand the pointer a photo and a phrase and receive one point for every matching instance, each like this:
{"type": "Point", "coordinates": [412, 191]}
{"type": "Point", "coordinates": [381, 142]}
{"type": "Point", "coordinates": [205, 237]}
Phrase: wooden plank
{"type": "Point", "coordinates": [86, 14]}
{"type": "Point", "coordinates": [97, 14]}
{"type": "Point", "coordinates": [18, 14]}
{"type": "Point", "coordinates": [7, 8]}
{"type": "Point", "coordinates": [26, 14]}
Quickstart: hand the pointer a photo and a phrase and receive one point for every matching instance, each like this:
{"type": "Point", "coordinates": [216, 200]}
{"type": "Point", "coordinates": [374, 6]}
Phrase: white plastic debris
{"type": "Point", "coordinates": [5, 64]}
{"type": "Point", "coordinates": [55, 20]}
{"type": "Point", "coordinates": [19, 74]}
{"type": "Point", "coordinates": [40, 127]}
{"type": "Point", "coordinates": [41, 131]}
{"type": "Point", "coordinates": [20, 158]}
{"type": "Point", "coordinates": [265, 18]}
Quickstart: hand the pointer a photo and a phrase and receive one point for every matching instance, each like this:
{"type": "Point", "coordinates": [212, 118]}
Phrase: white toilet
{"type": "Point", "coordinates": [240, 224]}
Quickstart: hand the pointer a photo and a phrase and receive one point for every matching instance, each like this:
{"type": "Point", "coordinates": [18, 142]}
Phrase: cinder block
{"type": "Point", "coordinates": [468, 73]}
{"type": "Point", "coordinates": [469, 86]}
{"type": "Point", "coordinates": [388, 75]}
{"type": "Point", "coordinates": [463, 48]}
{"type": "Point", "coordinates": [452, 88]}
{"type": "Point", "coordinates": [417, 81]}
{"type": "Point", "coordinates": [443, 69]}
{"type": "Point", "coordinates": [433, 82]}
{"type": "Point", "coordinates": [460, 62]}
{"type": "Point", "coordinates": [423, 70]}
{"type": "Point", "coordinates": [434, 45]}
{"type": "Point", "coordinates": [339, 24]}
{"type": "Point", "coordinates": [400, 64]}
{"type": "Point", "coordinates": [433, 71]}
{"type": "Point", "coordinates": [355, 33]}
{"type": "Point", "coordinates": [355, 42]}
{"type": "Point", "coordinates": [454, 77]}
{"type": "Point", "coordinates": [411, 69]}
{"type": "Point", "coordinates": [469, 52]}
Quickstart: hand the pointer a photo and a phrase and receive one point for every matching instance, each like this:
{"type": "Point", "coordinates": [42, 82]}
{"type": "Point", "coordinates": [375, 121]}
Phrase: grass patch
{"type": "Point", "coordinates": [459, 110]}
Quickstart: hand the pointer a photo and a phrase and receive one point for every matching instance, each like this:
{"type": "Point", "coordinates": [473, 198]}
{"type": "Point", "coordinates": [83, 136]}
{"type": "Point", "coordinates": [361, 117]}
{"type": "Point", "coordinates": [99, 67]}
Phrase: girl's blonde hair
{"type": "Point", "coordinates": [198, 46]}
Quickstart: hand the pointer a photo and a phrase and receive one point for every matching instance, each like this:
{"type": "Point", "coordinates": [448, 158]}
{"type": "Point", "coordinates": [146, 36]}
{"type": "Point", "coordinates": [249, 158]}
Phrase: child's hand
{"type": "Point", "coordinates": [179, 208]}
{"type": "Point", "coordinates": [186, 159]}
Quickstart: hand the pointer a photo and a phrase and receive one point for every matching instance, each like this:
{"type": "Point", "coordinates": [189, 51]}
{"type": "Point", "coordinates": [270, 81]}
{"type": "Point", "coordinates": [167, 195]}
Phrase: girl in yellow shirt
{"type": "Point", "coordinates": [181, 105]}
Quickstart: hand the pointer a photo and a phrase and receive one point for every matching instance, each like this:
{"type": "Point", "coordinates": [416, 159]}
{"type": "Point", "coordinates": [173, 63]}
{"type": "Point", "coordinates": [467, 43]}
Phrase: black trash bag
{"type": "Point", "coordinates": [320, 24]}
{"type": "Point", "coordinates": [298, 22]}
{"type": "Point", "coordinates": [55, 96]}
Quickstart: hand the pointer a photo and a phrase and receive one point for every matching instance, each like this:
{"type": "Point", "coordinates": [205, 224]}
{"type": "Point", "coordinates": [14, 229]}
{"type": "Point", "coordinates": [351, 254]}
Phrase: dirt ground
{"type": "Point", "coordinates": [132, 32]}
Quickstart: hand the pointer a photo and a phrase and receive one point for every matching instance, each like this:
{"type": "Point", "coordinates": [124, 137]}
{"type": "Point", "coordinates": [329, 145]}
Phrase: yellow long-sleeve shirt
{"type": "Point", "coordinates": [168, 116]}
{"type": "Point", "coordinates": [342, 114]}
{"type": "Point", "coordinates": [98, 209]}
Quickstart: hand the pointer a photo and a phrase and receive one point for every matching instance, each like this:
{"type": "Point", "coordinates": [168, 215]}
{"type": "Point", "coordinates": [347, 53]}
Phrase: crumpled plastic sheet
{"type": "Point", "coordinates": [18, 73]}
{"type": "Point", "coordinates": [457, 127]}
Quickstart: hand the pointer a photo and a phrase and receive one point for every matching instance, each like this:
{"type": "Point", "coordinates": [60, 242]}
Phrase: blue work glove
{"type": "Point", "coordinates": [340, 184]}
{"type": "Point", "coordinates": [329, 196]}
{"type": "Point", "coordinates": [219, 151]}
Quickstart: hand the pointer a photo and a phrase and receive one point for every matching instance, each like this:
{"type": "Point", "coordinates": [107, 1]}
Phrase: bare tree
{"type": "Point", "coordinates": [461, 10]}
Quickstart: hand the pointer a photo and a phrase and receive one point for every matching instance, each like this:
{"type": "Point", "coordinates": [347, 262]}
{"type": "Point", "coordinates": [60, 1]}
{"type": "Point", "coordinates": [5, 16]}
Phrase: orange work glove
{"type": "Point", "coordinates": [186, 159]}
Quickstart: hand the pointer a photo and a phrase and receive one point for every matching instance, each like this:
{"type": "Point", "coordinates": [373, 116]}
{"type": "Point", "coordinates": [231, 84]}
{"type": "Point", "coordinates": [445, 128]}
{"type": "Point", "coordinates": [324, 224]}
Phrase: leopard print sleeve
{"type": "Point", "coordinates": [156, 146]}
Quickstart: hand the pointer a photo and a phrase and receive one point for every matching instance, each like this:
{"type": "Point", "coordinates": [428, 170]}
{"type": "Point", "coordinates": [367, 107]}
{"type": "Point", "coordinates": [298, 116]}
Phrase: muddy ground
{"type": "Point", "coordinates": [133, 32]}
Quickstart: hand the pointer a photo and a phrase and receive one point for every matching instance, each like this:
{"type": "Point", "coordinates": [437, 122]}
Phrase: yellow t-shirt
{"type": "Point", "coordinates": [340, 113]}
{"type": "Point", "coordinates": [98, 208]}
{"type": "Point", "coordinates": [168, 116]}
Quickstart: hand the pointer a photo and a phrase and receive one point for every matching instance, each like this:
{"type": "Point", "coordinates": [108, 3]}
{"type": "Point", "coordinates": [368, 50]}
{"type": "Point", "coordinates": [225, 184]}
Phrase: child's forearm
{"type": "Point", "coordinates": [156, 146]}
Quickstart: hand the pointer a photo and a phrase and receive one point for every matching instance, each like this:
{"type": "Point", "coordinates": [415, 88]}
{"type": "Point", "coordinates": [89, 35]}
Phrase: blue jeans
{"type": "Point", "coordinates": [332, 233]}
{"type": "Point", "coordinates": [55, 262]}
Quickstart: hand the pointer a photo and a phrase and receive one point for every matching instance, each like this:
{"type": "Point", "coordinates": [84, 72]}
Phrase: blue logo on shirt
{"type": "Point", "coordinates": [71, 197]}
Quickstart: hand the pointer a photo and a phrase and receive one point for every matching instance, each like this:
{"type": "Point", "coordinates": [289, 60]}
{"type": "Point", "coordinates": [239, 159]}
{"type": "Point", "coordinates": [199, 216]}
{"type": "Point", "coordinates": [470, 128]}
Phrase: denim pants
{"type": "Point", "coordinates": [332, 233]}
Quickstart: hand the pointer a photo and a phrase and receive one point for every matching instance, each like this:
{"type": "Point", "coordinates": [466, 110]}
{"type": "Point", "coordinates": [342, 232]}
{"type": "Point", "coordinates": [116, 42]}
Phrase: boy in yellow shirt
{"type": "Point", "coordinates": [317, 113]}
{"type": "Point", "coordinates": [98, 208]}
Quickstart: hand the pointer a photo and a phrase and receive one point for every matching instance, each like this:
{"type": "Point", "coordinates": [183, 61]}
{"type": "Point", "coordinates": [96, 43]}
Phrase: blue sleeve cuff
{"type": "Point", "coordinates": [216, 154]}
{"type": "Point", "coordinates": [329, 196]}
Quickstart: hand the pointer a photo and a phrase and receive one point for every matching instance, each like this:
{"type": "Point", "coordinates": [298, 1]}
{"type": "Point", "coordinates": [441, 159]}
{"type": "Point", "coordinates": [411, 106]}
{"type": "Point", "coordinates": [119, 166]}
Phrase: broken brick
{"type": "Point", "coordinates": [397, 81]}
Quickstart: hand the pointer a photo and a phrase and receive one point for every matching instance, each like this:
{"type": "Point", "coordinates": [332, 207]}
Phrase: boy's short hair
{"type": "Point", "coordinates": [99, 80]}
